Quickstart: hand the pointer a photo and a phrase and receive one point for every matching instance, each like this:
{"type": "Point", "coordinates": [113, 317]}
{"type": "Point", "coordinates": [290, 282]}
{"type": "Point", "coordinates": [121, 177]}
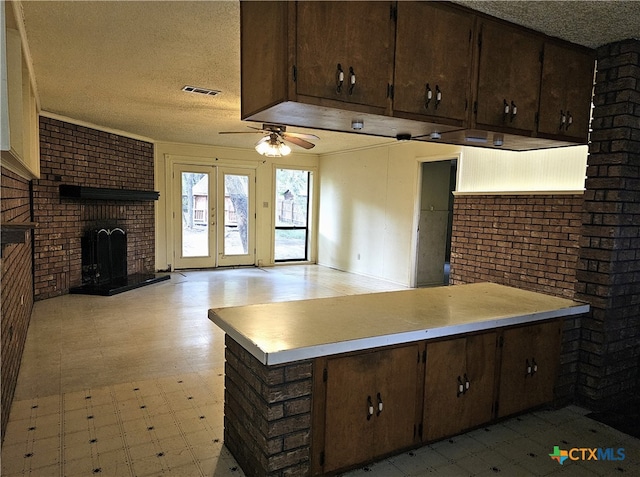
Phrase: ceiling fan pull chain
{"type": "Point", "coordinates": [352, 79]}
{"type": "Point", "coordinates": [339, 79]}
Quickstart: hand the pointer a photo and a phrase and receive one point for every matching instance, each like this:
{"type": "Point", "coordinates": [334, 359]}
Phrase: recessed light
{"type": "Point", "coordinates": [197, 90]}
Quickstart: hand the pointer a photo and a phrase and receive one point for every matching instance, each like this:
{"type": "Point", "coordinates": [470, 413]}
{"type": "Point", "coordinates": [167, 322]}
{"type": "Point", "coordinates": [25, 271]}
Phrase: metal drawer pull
{"type": "Point", "coordinates": [339, 79]}
{"type": "Point", "coordinates": [428, 96]}
{"type": "Point", "coordinates": [379, 404]}
{"type": "Point", "coordinates": [514, 110]}
{"type": "Point", "coordinates": [438, 96]}
{"type": "Point", "coordinates": [467, 383]}
{"type": "Point", "coordinates": [352, 80]}
{"type": "Point", "coordinates": [532, 368]}
{"type": "Point", "coordinates": [460, 387]}
{"type": "Point", "coordinates": [369, 408]}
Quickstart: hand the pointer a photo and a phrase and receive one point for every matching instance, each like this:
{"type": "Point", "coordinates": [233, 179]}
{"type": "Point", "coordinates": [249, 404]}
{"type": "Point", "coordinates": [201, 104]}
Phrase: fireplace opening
{"type": "Point", "coordinates": [104, 264]}
{"type": "Point", "coordinates": [104, 255]}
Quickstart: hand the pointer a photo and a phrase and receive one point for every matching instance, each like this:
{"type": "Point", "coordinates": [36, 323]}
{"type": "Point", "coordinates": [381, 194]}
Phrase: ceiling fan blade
{"type": "Point", "coordinates": [300, 135]}
{"type": "Point", "coordinates": [238, 132]}
{"type": "Point", "coordinates": [255, 130]}
{"type": "Point", "coordinates": [298, 141]}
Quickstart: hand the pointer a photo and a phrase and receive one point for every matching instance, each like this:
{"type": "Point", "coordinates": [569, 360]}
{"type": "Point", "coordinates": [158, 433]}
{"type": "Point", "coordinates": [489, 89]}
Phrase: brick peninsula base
{"type": "Point", "coordinates": [267, 414]}
{"type": "Point", "coordinates": [312, 387]}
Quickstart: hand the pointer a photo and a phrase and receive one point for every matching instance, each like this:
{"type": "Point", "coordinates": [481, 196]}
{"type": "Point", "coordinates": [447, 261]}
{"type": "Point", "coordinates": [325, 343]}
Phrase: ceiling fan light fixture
{"type": "Point", "coordinates": [271, 146]}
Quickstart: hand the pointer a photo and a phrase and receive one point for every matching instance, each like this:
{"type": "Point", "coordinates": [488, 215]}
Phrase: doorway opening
{"type": "Point", "coordinates": [436, 222]}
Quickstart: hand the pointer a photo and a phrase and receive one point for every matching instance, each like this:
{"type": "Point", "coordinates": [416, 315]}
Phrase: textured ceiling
{"type": "Point", "coordinates": [122, 64]}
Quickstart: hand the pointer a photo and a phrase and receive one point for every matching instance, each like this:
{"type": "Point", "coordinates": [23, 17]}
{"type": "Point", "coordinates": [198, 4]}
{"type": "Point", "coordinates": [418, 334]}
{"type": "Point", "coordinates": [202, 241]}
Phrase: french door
{"type": "Point", "coordinates": [236, 216]}
{"type": "Point", "coordinates": [214, 216]}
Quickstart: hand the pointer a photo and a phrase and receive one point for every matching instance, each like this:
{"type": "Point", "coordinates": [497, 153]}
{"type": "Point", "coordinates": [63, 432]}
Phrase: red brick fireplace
{"type": "Point", "coordinates": [80, 156]}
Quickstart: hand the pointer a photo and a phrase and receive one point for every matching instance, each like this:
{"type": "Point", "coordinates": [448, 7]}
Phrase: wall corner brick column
{"type": "Point", "coordinates": [608, 270]}
{"type": "Point", "coordinates": [267, 414]}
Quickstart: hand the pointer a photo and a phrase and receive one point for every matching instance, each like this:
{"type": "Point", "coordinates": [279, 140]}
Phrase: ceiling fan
{"type": "Point", "coordinates": [273, 142]}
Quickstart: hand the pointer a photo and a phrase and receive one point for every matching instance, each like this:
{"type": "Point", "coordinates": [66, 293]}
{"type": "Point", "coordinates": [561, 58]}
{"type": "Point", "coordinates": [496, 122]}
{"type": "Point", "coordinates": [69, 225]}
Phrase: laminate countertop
{"type": "Point", "coordinates": [284, 332]}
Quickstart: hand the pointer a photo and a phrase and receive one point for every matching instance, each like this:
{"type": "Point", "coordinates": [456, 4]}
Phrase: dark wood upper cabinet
{"type": "Point", "coordinates": [428, 70]}
{"type": "Point", "coordinates": [508, 77]}
{"type": "Point", "coordinates": [434, 51]}
{"type": "Point", "coordinates": [565, 93]}
{"type": "Point", "coordinates": [344, 51]}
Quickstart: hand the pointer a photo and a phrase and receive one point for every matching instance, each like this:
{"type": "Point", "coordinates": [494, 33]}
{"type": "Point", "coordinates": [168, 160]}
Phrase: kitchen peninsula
{"type": "Point", "coordinates": [317, 386]}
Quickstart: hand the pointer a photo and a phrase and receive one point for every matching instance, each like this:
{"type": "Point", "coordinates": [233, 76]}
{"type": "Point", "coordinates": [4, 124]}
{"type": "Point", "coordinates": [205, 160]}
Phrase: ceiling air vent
{"type": "Point", "coordinates": [205, 91]}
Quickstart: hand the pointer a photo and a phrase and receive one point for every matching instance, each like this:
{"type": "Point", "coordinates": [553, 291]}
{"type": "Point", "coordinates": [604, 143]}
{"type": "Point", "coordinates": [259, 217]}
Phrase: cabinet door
{"type": "Point", "coordinates": [370, 405]}
{"type": "Point", "coordinates": [565, 93]}
{"type": "Point", "coordinates": [433, 57]}
{"type": "Point", "coordinates": [396, 388]}
{"type": "Point", "coordinates": [529, 366]}
{"type": "Point", "coordinates": [508, 77]}
{"type": "Point", "coordinates": [448, 409]}
{"type": "Point", "coordinates": [358, 36]}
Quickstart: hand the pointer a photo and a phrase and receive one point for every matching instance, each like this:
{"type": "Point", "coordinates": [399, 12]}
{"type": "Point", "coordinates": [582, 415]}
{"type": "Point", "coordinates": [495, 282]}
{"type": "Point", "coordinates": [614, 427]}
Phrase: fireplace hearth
{"type": "Point", "coordinates": [104, 264]}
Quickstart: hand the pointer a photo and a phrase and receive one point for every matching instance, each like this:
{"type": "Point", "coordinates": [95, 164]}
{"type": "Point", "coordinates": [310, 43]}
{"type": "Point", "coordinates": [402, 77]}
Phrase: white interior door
{"type": "Point", "coordinates": [194, 216]}
{"type": "Point", "coordinates": [236, 216]}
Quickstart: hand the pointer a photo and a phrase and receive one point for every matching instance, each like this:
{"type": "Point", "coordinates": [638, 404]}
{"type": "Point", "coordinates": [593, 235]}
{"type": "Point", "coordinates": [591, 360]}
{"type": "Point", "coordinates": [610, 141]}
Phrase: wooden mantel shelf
{"type": "Point", "coordinates": [15, 232]}
{"type": "Point", "coordinates": [101, 193]}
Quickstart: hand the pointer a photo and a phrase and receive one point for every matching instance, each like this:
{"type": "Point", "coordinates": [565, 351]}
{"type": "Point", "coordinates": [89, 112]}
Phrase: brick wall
{"type": "Point", "coordinates": [78, 155]}
{"type": "Point", "coordinates": [16, 286]}
{"type": "Point", "coordinates": [267, 414]}
{"type": "Point", "coordinates": [524, 241]}
{"type": "Point", "coordinates": [609, 263]}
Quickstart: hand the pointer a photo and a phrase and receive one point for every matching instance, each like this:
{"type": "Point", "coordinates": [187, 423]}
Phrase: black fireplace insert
{"type": "Point", "coordinates": [104, 264]}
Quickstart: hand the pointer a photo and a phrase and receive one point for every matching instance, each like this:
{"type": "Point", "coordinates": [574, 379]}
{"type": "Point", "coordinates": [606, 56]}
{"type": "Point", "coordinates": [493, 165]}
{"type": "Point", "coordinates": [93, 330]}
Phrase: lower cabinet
{"type": "Point", "coordinates": [373, 403]}
{"type": "Point", "coordinates": [528, 366]}
{"type": "Point", "coordinates": [459, 385]}
{"type": "Point", "coordinates": [370, 406]}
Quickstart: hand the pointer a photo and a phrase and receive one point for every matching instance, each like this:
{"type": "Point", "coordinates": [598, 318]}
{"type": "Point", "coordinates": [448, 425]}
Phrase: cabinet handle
{"type": "Point", "coordinates": [569, 120]}
{"type": "Point", "coordinates": [339, 79]}
{"type": "Point", "coordinates": [428, 96]}
{"type": "Point", "coordinates": [438, 96]}
{"type": "Point", "coordinates": [369, 408]}
{"type": "Point", "coordinates": [352, 80]}
{"type": "Point", "coordinates": [514, 110]}
{"type": "Point", "coordinates": [563, 119]}
{"type": "Point", "coordinates": [467, 383]}
{"type": "Point", "coordinates": [460, 387]}
{"type": "Point", "coordinates": [505, 107]}
{"type": "Point", "coordinates": [528, 373]}
{"type": "Point", "coordinates": [379, 405]}
{"type": "Point", "coordinates": [534, 366]}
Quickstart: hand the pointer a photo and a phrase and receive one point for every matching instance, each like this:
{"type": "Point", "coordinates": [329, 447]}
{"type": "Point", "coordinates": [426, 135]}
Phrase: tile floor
{"type": "Point", "coordinates": [132, 385]}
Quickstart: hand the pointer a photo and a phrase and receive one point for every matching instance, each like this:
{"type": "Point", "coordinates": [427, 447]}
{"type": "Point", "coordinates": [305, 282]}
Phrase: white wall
{"type": "Point", "coordinates": [548, 170]}
{"type": "Point", "coordinates": [369, 199]}
{"type": "Point", "coordinates": [368, 208]}
{"type": "Point", "coordinates": [167, 154]}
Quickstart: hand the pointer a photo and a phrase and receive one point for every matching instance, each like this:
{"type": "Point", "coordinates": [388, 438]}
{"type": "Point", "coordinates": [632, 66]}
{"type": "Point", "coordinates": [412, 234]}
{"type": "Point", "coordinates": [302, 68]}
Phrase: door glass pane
{"type": "Point", "coordinates": [195, 214]}
{"type": "Point", "coordinates": [291, 214]}
{"type": "Point", "coordinates": [236, 210]}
